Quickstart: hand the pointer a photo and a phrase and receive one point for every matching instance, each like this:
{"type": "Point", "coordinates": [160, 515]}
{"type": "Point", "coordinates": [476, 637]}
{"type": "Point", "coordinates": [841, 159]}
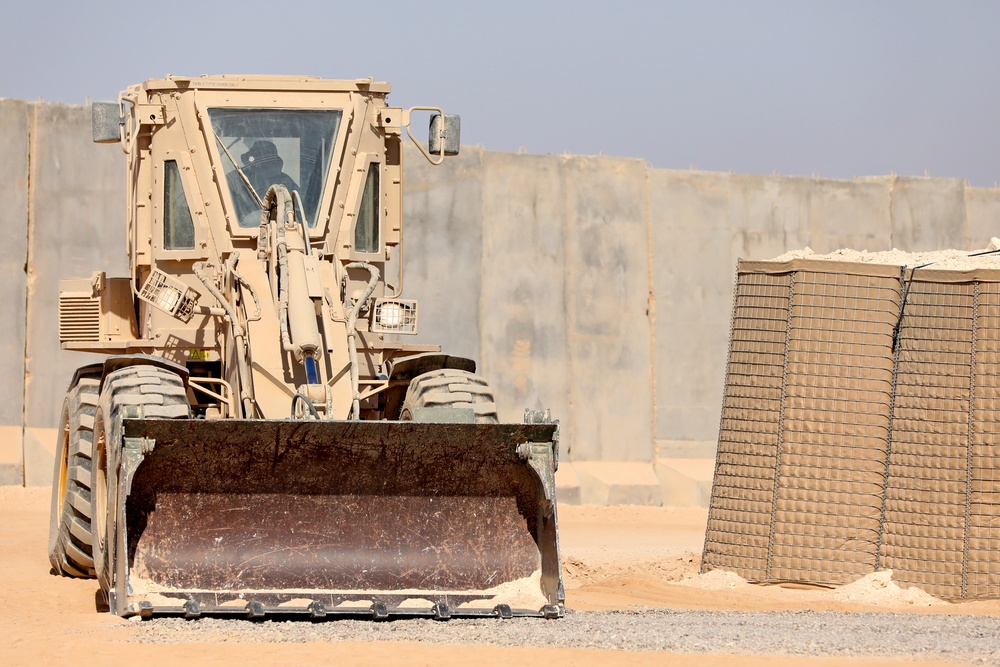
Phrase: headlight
{"type": "Point", "coordinates": [397, 316]}
{"type": "Point", "coordinates": [390, 315]}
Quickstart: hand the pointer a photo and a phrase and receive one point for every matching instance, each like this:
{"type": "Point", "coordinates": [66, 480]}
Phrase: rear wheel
{"type": "Point", "coordinates": [70, 550]}
{"type": "Point", "coordinates": [451, 388]}
{"type": "Point", "coordinates": [135, 392]}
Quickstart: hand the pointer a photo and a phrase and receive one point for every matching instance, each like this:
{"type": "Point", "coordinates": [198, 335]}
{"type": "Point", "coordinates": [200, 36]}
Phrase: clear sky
{"type": "Point", "coordinates": [838, 89]}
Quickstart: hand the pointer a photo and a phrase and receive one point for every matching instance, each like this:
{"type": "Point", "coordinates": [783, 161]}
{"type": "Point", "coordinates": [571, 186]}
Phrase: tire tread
{"type": "Point", "coordinates": [71, 552]}
{"type": "Point", "coordinates": [451, 388]}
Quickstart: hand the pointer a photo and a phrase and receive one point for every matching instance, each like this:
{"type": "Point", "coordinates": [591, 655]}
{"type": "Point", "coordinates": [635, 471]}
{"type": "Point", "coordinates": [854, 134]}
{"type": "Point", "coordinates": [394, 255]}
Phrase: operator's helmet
{"type": "Point", "coordinates": [262, 152]}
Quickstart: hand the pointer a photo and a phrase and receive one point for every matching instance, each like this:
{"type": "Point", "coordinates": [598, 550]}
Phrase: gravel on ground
{"type": "Point", "coordinates": [972, 639]}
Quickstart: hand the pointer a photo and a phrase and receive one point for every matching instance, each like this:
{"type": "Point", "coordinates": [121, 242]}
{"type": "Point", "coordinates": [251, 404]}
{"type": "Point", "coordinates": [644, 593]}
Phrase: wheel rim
{"type": "Point", "coordinates": [63, 468]}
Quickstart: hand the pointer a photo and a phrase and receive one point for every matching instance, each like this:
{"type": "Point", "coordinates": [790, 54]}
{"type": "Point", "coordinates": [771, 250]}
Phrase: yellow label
{"type": "Point", "coordinates": [200, 355]}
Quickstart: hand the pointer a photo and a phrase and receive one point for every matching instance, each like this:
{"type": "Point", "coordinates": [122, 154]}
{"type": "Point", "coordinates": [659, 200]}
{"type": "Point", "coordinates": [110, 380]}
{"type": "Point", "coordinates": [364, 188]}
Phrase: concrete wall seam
{"type": "Point", "coordinates": [29, 272]}
{"type": "Point", "coordinates": [651, 308]}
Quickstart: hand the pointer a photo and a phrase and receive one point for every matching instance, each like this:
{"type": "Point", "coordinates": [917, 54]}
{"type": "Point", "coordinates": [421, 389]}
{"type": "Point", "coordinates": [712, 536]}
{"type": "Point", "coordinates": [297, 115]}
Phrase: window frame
{"type": "Point", "coordinates": [304, 101]}
{"type": "Point", "coordinates": [372, 161]}
{"type": "Point", "coordinates": [189, 185]}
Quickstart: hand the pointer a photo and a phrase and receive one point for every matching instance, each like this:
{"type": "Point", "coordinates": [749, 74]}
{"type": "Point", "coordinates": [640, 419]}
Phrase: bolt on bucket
{"type": "Point", "coordinates": [235, 517]}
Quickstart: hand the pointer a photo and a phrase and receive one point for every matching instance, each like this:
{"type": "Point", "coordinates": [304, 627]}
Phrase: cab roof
{"type": "Point", "coordinates": [265, 82]}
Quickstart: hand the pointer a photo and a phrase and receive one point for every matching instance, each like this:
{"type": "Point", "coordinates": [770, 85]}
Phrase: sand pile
{"type": "Point", "coordinates": [953, 260]}
{"type": "Point", "coordinates": [879, 588]}
{"type": "Point", "coordinates": [715, 580]}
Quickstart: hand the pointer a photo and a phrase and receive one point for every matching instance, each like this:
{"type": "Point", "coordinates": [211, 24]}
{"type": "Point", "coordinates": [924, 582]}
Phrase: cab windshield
{"type": "Point", "coordinates": [286, 147]}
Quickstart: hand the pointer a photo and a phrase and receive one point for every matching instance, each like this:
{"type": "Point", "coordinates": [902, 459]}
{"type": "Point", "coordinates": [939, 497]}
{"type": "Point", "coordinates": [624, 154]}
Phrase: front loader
{"type": "Point", "coordinates": [258, 439]}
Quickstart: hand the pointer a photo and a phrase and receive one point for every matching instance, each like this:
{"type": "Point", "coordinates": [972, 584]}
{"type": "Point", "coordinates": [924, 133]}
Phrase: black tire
{"type": "Point", "coordinates": [70, 550]}
{"type": "Point", "coordinates": [451, 388]}
{"type": "Point", "coordinates": [148, 392]}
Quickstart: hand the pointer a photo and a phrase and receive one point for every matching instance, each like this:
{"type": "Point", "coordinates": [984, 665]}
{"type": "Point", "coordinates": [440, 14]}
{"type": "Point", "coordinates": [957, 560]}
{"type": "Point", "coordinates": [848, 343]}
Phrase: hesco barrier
{"type": "Point", "coordinates": [860, 428]}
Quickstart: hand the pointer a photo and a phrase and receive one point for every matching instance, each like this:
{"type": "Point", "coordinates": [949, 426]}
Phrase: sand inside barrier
{"type": "Point", "coordinates": [951, 259]}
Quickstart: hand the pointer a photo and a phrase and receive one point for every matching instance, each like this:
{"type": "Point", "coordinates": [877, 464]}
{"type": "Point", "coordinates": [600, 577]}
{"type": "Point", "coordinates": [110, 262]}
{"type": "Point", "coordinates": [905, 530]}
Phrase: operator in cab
{"type": "Point", "coordinates": [263, 166]}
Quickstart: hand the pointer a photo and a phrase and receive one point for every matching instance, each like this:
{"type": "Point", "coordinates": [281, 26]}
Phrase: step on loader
{"type": "Point", "coordinates": [259, 440]}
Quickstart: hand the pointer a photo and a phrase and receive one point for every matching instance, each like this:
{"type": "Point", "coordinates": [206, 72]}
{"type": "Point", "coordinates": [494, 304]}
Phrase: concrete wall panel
{"type": "Point", "coordinates": [768, 214]}
{"type": "Point", "coordinates": [608, 309]}
{"type": "Point", "coordinates": [442, 249]}
{"type": "Point", "coordinates": [846, 214]}
{"type": "Point", "coordinates": [13, 216]}
{"type": "Point", "coordinates": [982, 215]}
{"type": "Point", "coordinates": [77, 227]}
{"type": "Point", "coordinates": [524, 329]}
{"type": "Point", "coordinates": [692, 266]}
{"type": "Point", "coordinates": [928, 214]}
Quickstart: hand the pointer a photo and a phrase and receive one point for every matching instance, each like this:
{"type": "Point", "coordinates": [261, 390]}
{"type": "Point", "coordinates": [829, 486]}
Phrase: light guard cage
{"type": "Point", "coordinates": [169, 294]}
{"type": "Point", "coordinates": [395, 316]}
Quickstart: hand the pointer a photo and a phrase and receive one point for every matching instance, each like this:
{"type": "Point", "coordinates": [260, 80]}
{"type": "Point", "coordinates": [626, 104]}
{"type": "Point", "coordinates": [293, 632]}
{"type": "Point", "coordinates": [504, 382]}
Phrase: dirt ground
{"type": "Point", "coordinates": [615, 558]}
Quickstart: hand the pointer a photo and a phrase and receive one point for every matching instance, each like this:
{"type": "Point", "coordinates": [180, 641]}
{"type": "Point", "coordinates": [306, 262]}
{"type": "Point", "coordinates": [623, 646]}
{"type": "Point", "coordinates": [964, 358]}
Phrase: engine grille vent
{"type": "Point", "coordinates": [79, 319]}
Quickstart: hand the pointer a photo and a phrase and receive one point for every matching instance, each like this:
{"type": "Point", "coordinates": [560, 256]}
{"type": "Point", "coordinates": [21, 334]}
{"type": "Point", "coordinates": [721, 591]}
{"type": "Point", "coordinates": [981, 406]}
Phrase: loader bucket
{"type": "Point", "coordinates": [363, 518]}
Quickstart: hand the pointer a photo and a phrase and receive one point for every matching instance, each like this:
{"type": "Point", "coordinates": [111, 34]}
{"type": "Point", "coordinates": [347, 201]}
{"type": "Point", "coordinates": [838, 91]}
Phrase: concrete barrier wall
{"type": "Point", "coordinates": [604, 288]}
{"type": "Point", "coordinates": [63, 217]}
{"type": "Point", "coordinates": [76, 227]}
{"type": "Point", "coordinates": [13, 219]}
{"type": "Point", "coordinates": [598, 287]}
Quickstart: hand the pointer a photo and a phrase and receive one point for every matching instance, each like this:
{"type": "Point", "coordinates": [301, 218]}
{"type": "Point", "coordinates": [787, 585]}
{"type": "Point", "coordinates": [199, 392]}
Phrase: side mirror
{"type": "Point", "coordinates": [106, 122]}
{"type": "Point", "coordinates": [445, 133]}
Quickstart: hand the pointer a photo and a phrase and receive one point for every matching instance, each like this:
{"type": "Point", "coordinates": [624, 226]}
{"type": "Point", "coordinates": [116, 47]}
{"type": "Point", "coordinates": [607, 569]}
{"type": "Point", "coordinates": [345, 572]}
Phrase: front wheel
{"type": "Point", "coordinates": [451, 388]}
{"type": "Point", "coordinates": [70, 519]}
{"type": "Point", "coordinates": [139, 392]}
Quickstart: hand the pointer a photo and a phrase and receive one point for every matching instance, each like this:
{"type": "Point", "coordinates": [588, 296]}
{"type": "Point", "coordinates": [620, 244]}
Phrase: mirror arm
{"type": "Point", "coordinates": [426, 153]}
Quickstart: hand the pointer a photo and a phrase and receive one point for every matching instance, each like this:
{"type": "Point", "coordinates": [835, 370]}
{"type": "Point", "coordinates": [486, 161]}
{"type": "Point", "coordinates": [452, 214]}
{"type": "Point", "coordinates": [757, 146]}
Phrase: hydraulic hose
{"type": "Point", "coordinates": [310, 408]}
{"type": "Point", "coordinates": [277, 198]}
{"type": "Point", "coordinates": [239, 335]}
{"type": "Point", "coordinates": [352, 323]}
{"type": "Point", "coordinates": [296, 310]}
{"type": "Point", "coordinates": [297, 200]}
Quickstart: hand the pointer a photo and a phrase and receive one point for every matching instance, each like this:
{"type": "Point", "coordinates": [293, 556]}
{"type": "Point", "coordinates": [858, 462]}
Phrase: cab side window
{"type": "Point", "coordinates": [366, 231]}
{"type": "Point", "coordinates": [178, 226]}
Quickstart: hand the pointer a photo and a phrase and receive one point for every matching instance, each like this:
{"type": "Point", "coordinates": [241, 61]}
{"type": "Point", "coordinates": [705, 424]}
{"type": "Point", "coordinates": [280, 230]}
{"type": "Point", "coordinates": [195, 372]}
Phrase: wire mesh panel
{"type": "Point", "coordinates": [838, 392]}
{"type": "Point", "coordinates": [840, 452]}
{"type": "Point", "coordinates": [982, 577]}
{"type": "Point", "coordinates": [926, 500]}
{"type": "Point", "coordinates": [738, 533]}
